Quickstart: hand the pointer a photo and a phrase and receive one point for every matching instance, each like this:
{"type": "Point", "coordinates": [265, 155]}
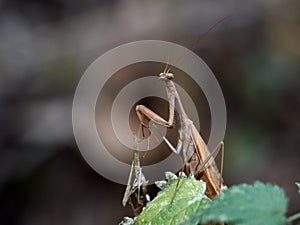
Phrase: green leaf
{"type": "Point", "coordinates": [298, 185]}
{"type": "Point", "coordinates": [247, 205]}
{"type": "Point", "coordinates": [189, 199]}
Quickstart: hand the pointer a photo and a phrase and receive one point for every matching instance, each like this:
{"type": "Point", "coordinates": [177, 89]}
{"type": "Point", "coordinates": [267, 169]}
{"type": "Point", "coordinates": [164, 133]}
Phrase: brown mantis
{"type": "Point", "coordinates": [200, 162]}
{"type": "Point", "coordinates": [189, 138]}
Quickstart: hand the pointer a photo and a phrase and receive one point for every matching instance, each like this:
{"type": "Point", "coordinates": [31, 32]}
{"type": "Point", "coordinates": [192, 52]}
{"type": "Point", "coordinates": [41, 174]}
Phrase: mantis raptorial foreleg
{"type": "Point", "coordinates": [142, 110]}
{"type": "Point", "coordinates": [155, 118]}
{"type": "Point", "coordinates": [184, 131]}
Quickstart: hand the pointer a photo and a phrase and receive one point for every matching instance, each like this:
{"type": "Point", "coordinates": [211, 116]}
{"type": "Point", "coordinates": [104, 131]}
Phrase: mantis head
{"type": "Point", "coordinates": [166, 76]}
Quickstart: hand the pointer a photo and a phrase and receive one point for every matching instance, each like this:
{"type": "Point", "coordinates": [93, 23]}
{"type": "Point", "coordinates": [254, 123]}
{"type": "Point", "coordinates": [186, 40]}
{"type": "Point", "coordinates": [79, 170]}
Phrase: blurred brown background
{"type": "Point", "coordinates": [45, 46]}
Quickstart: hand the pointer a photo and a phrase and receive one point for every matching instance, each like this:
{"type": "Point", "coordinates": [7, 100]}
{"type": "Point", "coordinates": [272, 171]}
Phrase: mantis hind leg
{"type": "Point", "coordinates": [177, 184]}
{"type": "Point", "coordinates": [185, 149]}
{"type": "Point", "coordinates": [222, 163]}
{"type": "Point", "coordinates": [213, 154]}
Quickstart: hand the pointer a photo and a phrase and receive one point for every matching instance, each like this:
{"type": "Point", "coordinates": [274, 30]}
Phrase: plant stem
{"type": "Point", "coordinates": [293, 217]}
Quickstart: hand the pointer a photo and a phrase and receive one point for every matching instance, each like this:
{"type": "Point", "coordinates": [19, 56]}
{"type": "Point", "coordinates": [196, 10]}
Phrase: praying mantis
{"type": "Point", "coordinates": [189, 139]}
{"type": "Point", "coordinates": [201, 163]}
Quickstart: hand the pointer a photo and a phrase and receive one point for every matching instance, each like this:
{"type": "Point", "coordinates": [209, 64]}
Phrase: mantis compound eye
{"type": "Point", "coordinates": [170, 76]}
{"type": "Point", "coordinates": [161, 75]}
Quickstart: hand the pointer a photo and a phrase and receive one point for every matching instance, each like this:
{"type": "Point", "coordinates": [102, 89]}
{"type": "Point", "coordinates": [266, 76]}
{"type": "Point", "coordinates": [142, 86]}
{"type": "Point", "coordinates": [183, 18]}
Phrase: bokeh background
{"type": "Point", "coordinates": [45, 47]}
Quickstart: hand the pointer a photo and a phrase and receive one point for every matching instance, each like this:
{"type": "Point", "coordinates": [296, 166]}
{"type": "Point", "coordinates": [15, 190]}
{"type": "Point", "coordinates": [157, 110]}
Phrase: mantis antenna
{"type": "Point", "coordinates": [196, 42]}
